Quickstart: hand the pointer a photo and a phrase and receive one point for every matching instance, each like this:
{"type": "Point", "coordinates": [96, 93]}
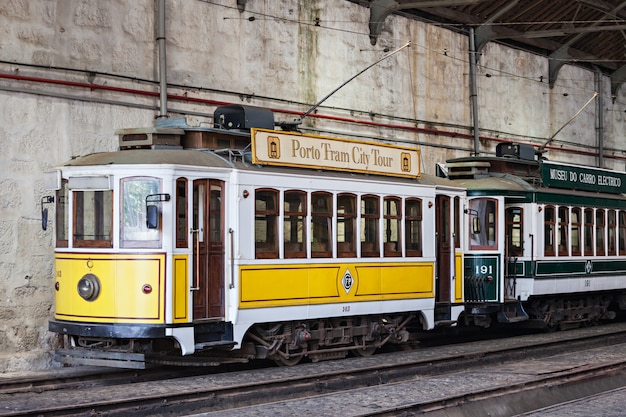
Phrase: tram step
{"type": "Point", "coordinates": [100, 358]}
{"type": "Point", "coordinates": [215, 344]}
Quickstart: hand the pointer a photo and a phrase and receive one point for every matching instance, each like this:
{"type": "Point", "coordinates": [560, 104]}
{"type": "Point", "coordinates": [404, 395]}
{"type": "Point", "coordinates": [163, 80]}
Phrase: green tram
{"type": "Point", "coordinates": [546, 241]}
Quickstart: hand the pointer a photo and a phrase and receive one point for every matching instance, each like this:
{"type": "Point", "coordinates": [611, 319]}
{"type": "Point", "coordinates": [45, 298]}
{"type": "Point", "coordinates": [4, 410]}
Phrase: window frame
{"type": "Point", "coordinates": [267, 249]}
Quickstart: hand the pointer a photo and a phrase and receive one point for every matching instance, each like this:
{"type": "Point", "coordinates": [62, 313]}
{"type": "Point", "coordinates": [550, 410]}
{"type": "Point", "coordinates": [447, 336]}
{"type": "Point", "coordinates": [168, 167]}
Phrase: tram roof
{"type": "Point", "coordinates": [224, 160]}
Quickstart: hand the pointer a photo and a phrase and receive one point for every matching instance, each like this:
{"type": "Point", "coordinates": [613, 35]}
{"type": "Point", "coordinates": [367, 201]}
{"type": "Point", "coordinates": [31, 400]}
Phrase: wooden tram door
{"type": "Point", "coordinates": [208, 249]}
{"type": "Point", "coordinates": [443, 249]}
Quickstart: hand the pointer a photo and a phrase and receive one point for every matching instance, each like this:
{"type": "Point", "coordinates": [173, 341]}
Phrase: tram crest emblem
{"type": "Point", "coordinates": [405, 157]}
{"type": "Point", "coordinates": [347, 281]}
{"type": "Point", "coordinates": [588, 267]}
{"type": "Point", "coordinates": [273, 147]}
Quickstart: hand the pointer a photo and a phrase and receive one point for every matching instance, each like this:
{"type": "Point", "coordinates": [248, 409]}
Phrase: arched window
{"type": "Point", "coordinates": [392, 215]}
{"type": "Point", "coordinates": [321, 218]}
{"type": "Point", "coordinates": [612, 232]}
{"type": "Point", "coordinates": [600, 232]}
{"type": "Point", "coordinates": [588, 232]}
{"type": "Point", "coordinates": [370, 217]}
{"type": "Point", "coordinates": [294, 230]}
{"type": "Point", "coordinates": [413, 226]}
{"type": "Point", "coordinates": [181, 213]}
{"type": "Point", "coordinates": [549, 230]}
{"type": "Point", "coordinates": [622, 232]}
{"type": "Point", "coordinates": [562, 240]}
{"type": "Point", "coordinates": [576, 231]}
{"type": "Point", "coordinates": [346, 225]}
{"type": "Point", "coordinates": [514, 231]}
{"type": "Point", "coordinates": [266, 223]}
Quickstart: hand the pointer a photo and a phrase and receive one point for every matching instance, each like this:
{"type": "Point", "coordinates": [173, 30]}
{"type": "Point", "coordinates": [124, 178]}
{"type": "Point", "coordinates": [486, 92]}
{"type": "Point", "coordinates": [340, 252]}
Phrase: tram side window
{"type": "Point", "coordinates": [294, 230]}
{"type": "Point", "coordinates": [622, 232]}
{"type": "Point", "coordinates": [600, 228]}
{"type": "Point", "coordinates": [483, 223]}
{"type": "Point", "coordinates": [457, 222]}
{"type": "Point", "coordinates": [562, 240]}
{"type": "Point", "coordinates": [514, 231]}
{"type": "Point", "coordinates": [61, 216]}
{"type": "Point", "coordinates": [413, 226]}
{"type": "Point", "coordinates": [181, 213]}
{"type": "Point", "coordinates": [549, 229]}
{"type": "Point", "coordinates": [266, 223]}
{"type": "Point", "coordinates": [321, 219]}
{"type": "Point", "coordinates": [588, 232]}
{"type": "Point", "coordinates": [612, 232]}
{"type": "Point", "coordinates": [93, 219]}
{"type": "Point", "coordinates": [576, 228]}
{"type": "Point", "coordinates": [392, 215]}
{"type": "Point", "coordinates": [134, 232]}
{"type": "Point", "coordinates": [346, 225]}
{"type": "Point", "coordinates": [370, 217]}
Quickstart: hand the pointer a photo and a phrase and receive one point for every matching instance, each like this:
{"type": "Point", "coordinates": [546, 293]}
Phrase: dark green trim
{"type": "Point", "coordinates": [564, 268]}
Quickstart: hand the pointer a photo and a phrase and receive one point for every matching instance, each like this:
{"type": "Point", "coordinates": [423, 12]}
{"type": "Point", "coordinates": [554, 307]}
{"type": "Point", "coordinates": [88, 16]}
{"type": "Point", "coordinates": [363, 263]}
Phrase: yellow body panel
{"type": "Point", "coordinates": [458, 273]}
{"type": "Point", "coordinates": [122, 278]}
{"type": "Point", "coordinates": [302, 284]}
{"type": "Point", "coordinates": [181, 289]}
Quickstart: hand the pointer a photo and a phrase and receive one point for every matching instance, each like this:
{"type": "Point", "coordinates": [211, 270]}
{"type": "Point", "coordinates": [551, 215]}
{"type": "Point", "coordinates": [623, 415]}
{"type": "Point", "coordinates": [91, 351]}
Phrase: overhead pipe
{"type": "Point", "coordinates": [162, 60]}
{"type": "Point", "coordinates": [474, 89]}
{"type": "Point", "coordinates": [599, 117]}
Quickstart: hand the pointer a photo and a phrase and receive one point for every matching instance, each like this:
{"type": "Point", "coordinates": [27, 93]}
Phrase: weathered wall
{"type": "Point", "coordinates": [87, 55]}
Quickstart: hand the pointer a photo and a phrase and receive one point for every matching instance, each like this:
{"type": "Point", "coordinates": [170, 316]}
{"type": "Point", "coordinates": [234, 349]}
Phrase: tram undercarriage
{"type": "Point", "coordinates": [324, 339]}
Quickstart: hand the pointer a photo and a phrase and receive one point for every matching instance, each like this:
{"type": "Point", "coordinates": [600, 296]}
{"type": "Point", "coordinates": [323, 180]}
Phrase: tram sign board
{"type": "Point", "coordinates": [271, 147]}
{"type": "Point", "coordinates": [581, 178]}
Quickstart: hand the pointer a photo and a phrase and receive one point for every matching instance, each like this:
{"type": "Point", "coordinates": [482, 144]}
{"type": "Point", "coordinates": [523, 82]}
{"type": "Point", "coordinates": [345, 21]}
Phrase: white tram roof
{"type": "Point", "coordinates": [222, 160]}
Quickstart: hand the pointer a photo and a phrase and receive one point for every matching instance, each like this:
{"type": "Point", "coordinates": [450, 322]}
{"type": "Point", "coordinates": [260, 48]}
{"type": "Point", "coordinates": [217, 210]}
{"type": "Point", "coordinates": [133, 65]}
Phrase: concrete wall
{"type": "Point", "coordinates": [73, 71]}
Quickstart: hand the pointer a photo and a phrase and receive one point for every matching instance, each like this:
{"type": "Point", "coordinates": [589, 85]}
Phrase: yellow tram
{"type": "Point", "coordinates": [240, 241]}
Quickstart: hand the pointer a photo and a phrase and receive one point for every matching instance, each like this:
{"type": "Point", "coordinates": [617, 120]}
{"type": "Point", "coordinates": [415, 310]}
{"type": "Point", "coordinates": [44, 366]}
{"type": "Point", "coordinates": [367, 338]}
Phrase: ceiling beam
{"type": "Point", "coordinates": [561, 56]}
{"type": "Point", "coordinates": [380, 9]}
{"type": "Point", "coordinates": [618, 78]}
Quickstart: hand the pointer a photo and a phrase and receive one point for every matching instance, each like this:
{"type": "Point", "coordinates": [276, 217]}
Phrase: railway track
{"type": "Point", "coordinates": [424, 380]}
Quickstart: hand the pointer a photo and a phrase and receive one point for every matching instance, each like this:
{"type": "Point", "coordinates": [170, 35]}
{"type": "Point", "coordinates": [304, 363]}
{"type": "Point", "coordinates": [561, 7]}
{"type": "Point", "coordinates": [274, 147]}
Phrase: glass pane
{"type": "Point", "coordinates": [61, 215]}
{"type": "Point", "coordinates": [93, 218]}
{"type": "Point", "coordinates": [134, 193]}
{"type": "Point", "coordinates": [181, 213]}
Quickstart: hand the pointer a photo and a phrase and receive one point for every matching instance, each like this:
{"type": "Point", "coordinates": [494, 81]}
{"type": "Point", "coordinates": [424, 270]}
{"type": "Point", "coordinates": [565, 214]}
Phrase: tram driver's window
{"type": "Point", "coordinates": [321, 219]}
{"type": "Point", "coordinates": [483, 218]}
{"type": "Point", "coordinates": [93, 219]}
{"type": "Point", "coordinates": [370, 215]}
{"type": "Point", "coordinates": [294, 230]}
{"type": "Point", "coordinates": [134, 232]}
{"type": "Point", "coordinates": [61, 216]}
{"type": "Point", "coordinates": [266, 223]}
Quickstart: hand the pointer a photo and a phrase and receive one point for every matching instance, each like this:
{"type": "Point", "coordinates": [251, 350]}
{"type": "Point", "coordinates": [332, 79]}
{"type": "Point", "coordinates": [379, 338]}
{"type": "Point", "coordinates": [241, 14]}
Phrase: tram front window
{"type": "Point", "coordinates": [483, 223]}
{"type": "Point", "coordinates": [134, 232]}
{"type": "Point", "coordinates": [93, 218]}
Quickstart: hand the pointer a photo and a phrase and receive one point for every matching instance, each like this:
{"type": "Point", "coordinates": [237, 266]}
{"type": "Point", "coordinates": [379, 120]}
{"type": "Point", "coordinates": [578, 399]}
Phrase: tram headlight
{"type": "Point", "coordinates": [89, 287]}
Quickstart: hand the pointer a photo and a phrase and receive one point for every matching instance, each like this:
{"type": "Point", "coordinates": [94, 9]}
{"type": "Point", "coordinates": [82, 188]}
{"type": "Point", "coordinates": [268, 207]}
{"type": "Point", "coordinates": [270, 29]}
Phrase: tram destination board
{"type": "Point", "coordinates": [308, 151]}
{"type": "Point", "coordinates": [575, 177]}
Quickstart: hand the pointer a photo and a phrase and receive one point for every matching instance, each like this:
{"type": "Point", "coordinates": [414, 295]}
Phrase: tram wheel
{"type": "Point", "coordinates": [363, 349]}
{"type": "Point", "coordinates": [284, 361]}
